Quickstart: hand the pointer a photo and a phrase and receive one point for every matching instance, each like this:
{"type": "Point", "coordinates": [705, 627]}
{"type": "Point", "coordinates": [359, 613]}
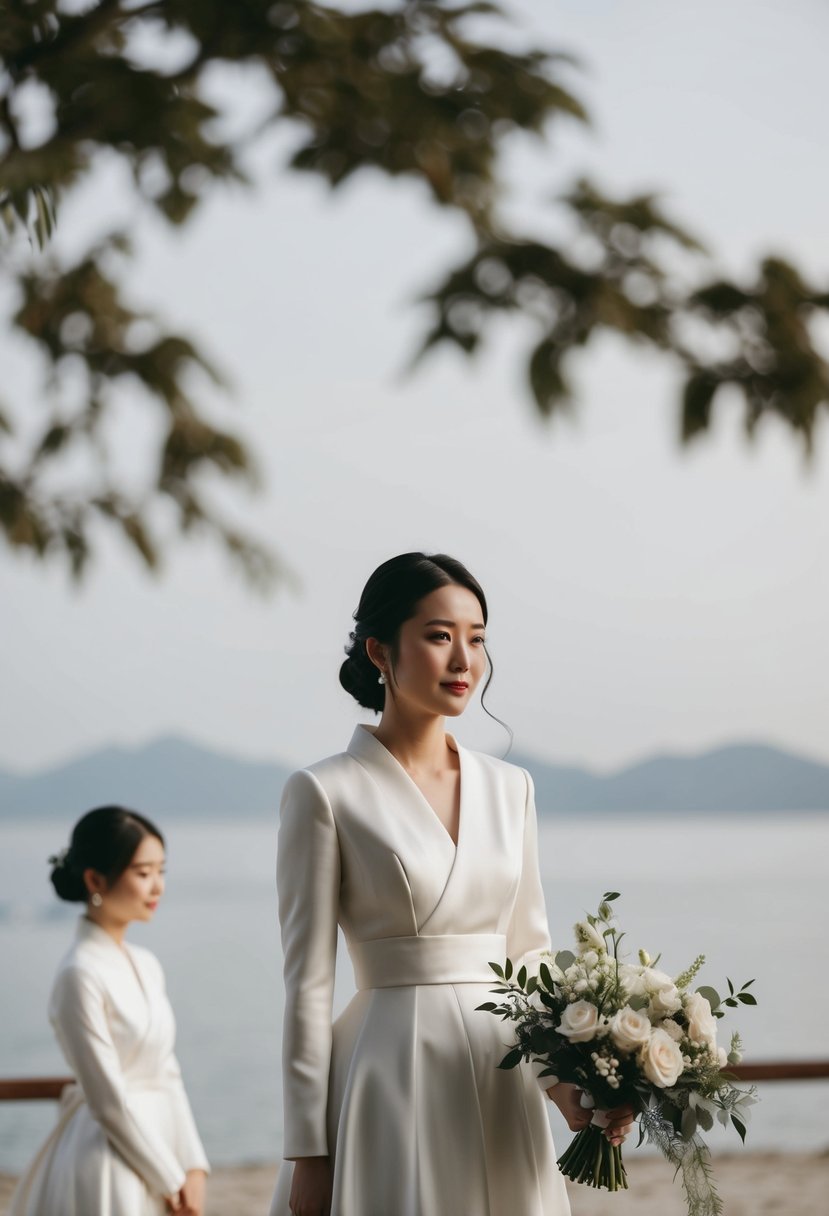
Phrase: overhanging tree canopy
{"type": "Point", "coordinates": [420, 89]}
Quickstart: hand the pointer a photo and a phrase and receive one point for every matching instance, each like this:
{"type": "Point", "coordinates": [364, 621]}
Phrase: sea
{"type": "Point", "coordinates": [748, 891]}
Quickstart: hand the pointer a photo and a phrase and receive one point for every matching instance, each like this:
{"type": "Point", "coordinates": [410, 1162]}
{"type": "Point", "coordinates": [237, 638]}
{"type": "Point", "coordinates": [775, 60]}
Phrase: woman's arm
{"type": "Point", "coordinates": [528, 933]}
{"type": "Point", "coordinates": [308, 883]}
{"type": "Point", "coordinates": [79, 1017]}
{"type": "Point", "coordinates": [189, 1148]}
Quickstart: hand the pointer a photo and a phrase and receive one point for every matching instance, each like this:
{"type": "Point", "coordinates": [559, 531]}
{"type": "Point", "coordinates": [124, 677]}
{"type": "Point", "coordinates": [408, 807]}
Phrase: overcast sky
{"type": "Point", "coordinates": [642, 598]}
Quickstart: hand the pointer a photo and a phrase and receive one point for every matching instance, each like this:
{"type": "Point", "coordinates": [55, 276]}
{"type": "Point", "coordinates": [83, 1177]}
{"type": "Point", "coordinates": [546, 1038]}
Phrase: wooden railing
{"type": "Point", "coordinates": [786, 1070]}
{"type": "Point", "coordinates": [36, 1089]}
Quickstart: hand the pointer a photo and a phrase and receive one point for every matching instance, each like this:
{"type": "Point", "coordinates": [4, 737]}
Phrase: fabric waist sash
{"type": "Point", "coordinates": [452, 958]}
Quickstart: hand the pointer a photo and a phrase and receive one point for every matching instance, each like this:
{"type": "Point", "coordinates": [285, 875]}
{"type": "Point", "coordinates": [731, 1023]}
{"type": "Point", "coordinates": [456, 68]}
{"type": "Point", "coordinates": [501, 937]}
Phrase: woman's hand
{"type": "Point", "coordinates": [619, 1123]}
{"type": "Point", "coordinates": [190, 1199]}
{"type": "Point", "coordinates": [311, 1187]}
{"type": "Point", "coordinates": [568, 1100]}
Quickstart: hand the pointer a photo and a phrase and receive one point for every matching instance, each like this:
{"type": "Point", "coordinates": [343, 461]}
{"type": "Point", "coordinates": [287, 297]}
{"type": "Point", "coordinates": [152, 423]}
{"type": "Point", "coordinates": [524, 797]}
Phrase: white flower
{"type": "Point", "coordinates": [629, 1028]}
{"type": "Point", "coordinates": [580, 986]}
{"type": "Point", "coordinates": [661, 1060]}
{"type": "Point", "coordinates": [632, 979]}
{"type": "Point", "coordinates": [672, 1028]}
{"type": "Point", "coordinates": [663, 992]}
{"type": "Point", "coordinates": [589, 959]}
{"type": "Point", "coordinates": [579, 1022]}
{"type": "Point", "coordinates": [722, 1057]}
{"type": "Point", "coordinates": [589, 938]}
{"type": "Point", "coordinates": [702, 1025]}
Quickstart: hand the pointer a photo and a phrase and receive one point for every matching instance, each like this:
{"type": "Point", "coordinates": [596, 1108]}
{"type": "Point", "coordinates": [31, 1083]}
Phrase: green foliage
{"type": "Point", "coordinates": [360, 90]}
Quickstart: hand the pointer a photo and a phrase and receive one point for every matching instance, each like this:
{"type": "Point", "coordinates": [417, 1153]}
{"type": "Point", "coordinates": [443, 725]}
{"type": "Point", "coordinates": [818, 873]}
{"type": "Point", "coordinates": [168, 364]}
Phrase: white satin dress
{"type": "Point", "coordinates": [403, 1091]}
{"type": "Point", "coordinates": [125, 1134]}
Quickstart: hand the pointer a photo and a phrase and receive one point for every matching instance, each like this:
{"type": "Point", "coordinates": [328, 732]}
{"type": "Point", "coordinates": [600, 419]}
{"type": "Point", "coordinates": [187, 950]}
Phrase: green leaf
{"type": "Point", "coordinates": [498, 969]}
{"type": "Point", "coordinates": [565, 959]}
{"type": "Point", "coordinates": [532, 984]}
{"type": "Point", "coordinates": [740, 1128]}
{"type": "Point", "coordinates": [512, 1058]}
{"type": "Point", "coordinates": [711, 995]}
{"type": "Point", "coordinates": [521, 978]}
{"type": "Point", "coordinates": [747, 998]}
{"type": "Point", "coordinates": [487, 1005]}
{"type": "Point", "coordinates": [545, 977]}
{"type": "Point", "coordinates": [609, 896]}
{"type": "Point", "coordinates": [508, 969]}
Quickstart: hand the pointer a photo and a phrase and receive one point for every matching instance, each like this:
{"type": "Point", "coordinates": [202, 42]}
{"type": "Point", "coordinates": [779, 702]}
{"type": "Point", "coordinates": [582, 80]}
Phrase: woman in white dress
{"type": "Point", "coordinates": [425, 853]}
{"type": "Point", "coordinates": [125, 1143]}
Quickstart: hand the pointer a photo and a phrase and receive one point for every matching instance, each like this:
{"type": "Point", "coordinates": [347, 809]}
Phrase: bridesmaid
{"type": "Point", "coordinates": [125, 1143]}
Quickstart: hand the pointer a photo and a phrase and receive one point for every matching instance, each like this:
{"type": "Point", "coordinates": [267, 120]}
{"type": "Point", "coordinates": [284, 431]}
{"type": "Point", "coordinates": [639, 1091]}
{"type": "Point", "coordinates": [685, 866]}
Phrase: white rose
{"type": "Point", "coordinates": [632, 979]}
{"type": "Point", "coordinates": [666, 1000]}
{"type": "Point", "coordinates": [672, 1028]}
{"type": "Point", "coordinates": [661, 1060]}
{"type": "Point", "coordinates": [702, 1025]}
{"type": "Point", "coordinates": [629, 1028]}
{"type": "Point", "coordinates": [579, 1022]}
{"type": "Point", "coordinates": [663, 992]}
{"type": "Point", "coordinates": [722, 1057]}
{"type": "Point", "coordinates": [589, 938]}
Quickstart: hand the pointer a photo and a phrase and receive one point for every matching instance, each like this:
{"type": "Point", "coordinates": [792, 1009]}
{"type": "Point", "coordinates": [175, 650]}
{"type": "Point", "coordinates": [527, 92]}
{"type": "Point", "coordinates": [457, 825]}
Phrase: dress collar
{"type": "Point", "coordinates": [88, 931]}
{"type": "Point", "coordinates": [364, 745]}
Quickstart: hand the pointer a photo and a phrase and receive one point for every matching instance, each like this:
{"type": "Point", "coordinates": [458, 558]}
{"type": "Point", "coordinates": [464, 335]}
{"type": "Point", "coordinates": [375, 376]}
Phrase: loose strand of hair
{"type": "Point", "coordinates": [489, 712]}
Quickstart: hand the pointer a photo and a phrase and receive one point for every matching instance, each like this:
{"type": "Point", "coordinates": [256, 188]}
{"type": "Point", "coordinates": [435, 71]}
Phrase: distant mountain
{"type": "Point", "coordinates": [738, 777]}
{"type": "Point", "coordinates": [167, 777]}
{"type": "Point", "coordinates": [174, 777]}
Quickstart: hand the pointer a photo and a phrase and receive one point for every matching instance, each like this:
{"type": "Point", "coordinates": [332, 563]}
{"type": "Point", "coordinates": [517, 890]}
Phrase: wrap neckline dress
{"type": "Point", "coordinates": [403, 1091]}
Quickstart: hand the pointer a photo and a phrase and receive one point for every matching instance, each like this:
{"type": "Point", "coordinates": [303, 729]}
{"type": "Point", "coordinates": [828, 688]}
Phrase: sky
{"type": "Point", "coordinates": [643, 598]}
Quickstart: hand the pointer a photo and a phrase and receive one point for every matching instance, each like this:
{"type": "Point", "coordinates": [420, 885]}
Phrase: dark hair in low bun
{"type": "Point", "coordinates": [105, 840]}
{"type": "Point", "coordinates": [389, 598]}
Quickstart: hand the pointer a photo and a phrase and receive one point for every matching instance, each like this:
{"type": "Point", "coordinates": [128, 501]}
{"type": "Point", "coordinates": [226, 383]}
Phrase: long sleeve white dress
{"type": "Point", "coordinates": [403, 1091]}
{"type": "Point", "coordinates": [125, 1134]}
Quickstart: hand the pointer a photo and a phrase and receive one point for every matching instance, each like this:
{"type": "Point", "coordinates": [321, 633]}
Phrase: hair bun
{"type": "Point", "coordinates": [66, 878]}
{"type": "Point", "coordinates": [358, 676]}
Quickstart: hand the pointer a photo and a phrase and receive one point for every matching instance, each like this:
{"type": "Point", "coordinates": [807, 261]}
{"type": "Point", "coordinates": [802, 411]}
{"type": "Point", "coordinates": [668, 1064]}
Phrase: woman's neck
{"type": "Point", "coordinates": [115, 929]}
{"type": "Point", "coordinates": [419, 743]}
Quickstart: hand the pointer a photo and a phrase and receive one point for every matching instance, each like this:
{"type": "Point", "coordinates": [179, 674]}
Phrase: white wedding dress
{"type": "Point", "coordinates": [125, 1134]}
{"type": "Point", "coordinates": [403, 1092]}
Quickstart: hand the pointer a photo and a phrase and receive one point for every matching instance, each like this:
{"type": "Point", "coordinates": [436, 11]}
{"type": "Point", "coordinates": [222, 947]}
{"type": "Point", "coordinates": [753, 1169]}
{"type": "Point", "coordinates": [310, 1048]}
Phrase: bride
{"type": "Point", "coordinates": [426, 854]}
{"type": "Point", "coordinates": [125, 1143]}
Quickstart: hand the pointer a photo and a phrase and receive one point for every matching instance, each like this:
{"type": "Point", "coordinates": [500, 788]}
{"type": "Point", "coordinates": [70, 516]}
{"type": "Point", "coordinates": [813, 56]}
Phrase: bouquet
{"type": "Point", "coordinates": [629, 1033]}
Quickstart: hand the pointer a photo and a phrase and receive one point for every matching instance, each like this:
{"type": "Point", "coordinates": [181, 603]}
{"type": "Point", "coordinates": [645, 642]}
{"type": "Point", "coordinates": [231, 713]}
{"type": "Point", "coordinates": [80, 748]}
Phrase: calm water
{"type": "Point", "coordinates": [750, 895]}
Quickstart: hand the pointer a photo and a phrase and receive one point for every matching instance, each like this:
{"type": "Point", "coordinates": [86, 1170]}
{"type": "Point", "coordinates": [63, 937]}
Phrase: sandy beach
{"type": "Point", "coordinates": [751, 1184]}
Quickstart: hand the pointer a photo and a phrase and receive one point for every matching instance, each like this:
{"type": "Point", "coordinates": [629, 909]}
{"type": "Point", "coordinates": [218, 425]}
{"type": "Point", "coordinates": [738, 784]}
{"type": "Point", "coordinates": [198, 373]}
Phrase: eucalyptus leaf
{"type": "Point", "coordinates": [711, 995]}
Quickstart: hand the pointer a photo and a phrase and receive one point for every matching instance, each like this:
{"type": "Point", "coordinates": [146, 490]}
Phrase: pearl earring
{"type": "Point", "coordinates": [96, 900]}
{"type": "Point", "coordinates": [381, 679]}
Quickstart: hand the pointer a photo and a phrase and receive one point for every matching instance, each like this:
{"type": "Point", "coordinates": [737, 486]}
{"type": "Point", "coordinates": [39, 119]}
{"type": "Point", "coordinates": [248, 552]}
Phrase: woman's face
{"type": "Point", "coordinates": [440, 655]}
{"type": "Point", "coordinates": [135, 894]}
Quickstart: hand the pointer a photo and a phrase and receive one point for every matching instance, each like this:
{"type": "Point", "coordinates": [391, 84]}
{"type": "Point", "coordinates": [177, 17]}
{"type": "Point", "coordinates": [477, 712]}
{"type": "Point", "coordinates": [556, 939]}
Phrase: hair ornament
{"type": "Point", "coordinates": [58, 860]}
